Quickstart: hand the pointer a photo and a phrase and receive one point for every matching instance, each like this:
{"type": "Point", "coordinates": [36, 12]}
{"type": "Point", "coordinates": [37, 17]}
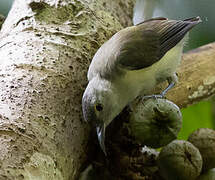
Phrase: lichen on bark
{"type": "Point", "coordinates": [46, 47]}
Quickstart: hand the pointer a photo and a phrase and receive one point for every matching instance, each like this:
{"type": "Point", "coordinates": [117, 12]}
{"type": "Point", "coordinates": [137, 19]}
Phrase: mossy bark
{"type": "Point", "coordinates": [46, 47]}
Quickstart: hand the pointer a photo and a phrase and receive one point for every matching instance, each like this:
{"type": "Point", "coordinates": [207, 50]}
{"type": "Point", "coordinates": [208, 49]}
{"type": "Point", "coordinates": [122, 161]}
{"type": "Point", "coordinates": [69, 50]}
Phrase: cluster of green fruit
{"type": "Point", "coordinates": [156, 123]}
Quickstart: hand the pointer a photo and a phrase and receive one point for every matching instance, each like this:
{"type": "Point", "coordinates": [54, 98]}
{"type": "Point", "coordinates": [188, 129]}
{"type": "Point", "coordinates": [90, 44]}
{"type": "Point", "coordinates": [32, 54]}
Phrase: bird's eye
{"type": "Point", "coordinates": [99, 107]}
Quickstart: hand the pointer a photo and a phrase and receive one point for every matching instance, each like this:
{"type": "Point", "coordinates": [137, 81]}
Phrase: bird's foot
{"type": "Point", "coordinates": [155, 96]}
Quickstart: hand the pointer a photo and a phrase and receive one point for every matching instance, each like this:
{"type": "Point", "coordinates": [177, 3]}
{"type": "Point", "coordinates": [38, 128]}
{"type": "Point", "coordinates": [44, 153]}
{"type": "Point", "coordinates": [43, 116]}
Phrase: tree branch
{"type": "Point", "coordinates": [196, 76]}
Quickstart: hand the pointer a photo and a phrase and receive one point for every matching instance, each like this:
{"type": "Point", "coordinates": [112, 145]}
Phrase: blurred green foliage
{"type": "Point", "coordinates": [196, 116]}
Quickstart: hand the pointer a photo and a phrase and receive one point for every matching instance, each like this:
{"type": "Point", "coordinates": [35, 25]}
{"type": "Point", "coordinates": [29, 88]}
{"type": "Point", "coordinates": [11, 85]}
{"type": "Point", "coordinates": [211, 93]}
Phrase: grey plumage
{"type": "Point", "coordinates": [131, 64]}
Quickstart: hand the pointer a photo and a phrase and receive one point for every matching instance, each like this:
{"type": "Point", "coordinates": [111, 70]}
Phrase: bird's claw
{"type": "Point", "coordinates": [155, 96]}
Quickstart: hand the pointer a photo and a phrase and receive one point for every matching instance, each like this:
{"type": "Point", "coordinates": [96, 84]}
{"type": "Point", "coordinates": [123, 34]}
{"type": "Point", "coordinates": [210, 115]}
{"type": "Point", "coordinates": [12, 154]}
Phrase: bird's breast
{"type": "Point", "coordinates": [142, 82]}
{"type": "Point", "coordinates": [133, 83]}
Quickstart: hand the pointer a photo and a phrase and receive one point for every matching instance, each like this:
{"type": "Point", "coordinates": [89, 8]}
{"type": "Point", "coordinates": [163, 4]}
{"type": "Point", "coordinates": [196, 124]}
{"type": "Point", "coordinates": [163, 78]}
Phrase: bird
{"type": "Point", "coordinates": [129, 65]}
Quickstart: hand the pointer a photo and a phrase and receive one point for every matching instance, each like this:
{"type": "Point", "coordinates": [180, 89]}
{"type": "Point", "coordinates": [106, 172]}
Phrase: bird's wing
{"type": "Point", "coordinates": [150, 40]}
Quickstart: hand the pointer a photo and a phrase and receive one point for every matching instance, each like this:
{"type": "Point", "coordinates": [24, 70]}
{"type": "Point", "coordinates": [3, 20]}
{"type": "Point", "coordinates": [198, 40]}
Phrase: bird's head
{"type": "Point", "coordinates": [100, 107]}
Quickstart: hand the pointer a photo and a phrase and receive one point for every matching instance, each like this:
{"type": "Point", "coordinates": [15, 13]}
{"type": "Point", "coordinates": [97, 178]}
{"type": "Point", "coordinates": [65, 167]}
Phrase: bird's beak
{"type": "Point", "coordinates": [100, 129]}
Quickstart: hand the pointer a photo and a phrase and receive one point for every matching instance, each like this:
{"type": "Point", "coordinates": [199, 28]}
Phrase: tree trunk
{"type": "Point", "coordinates": [46, 47]}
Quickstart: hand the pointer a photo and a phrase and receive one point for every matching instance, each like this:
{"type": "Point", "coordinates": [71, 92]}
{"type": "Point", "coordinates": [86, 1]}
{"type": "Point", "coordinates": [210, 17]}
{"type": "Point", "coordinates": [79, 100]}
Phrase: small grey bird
{"type": "Point", "coordinates": [130, 64]}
